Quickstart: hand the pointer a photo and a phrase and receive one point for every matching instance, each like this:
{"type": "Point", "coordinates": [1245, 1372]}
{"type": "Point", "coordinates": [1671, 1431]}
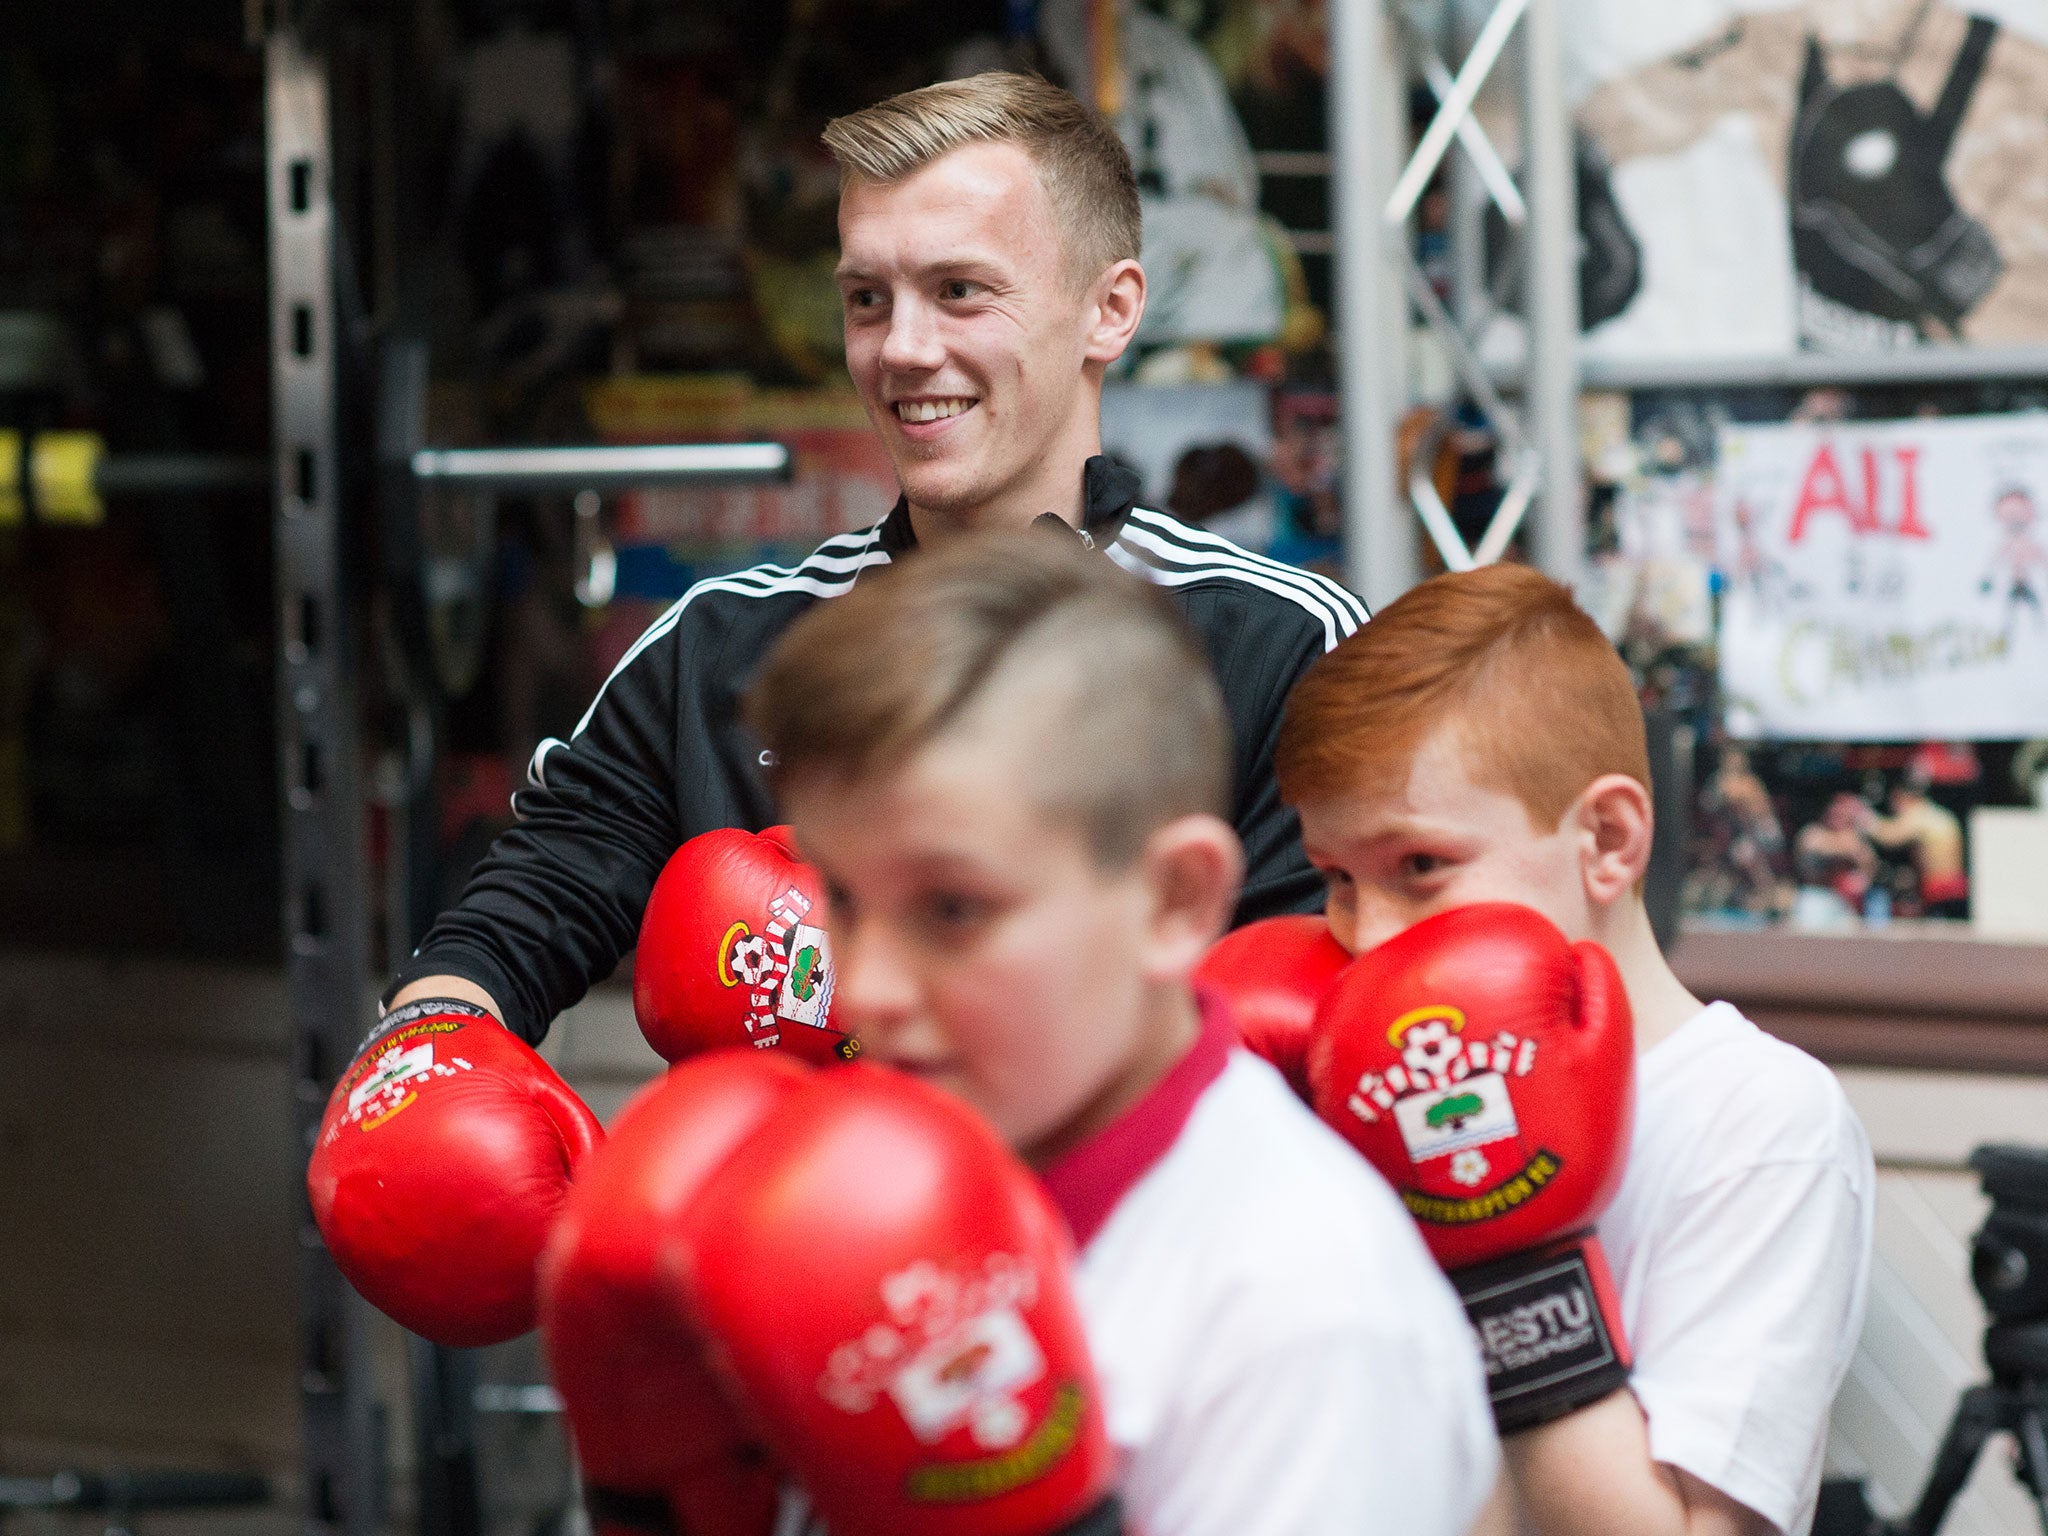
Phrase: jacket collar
{"type": "Point", "coordinates": [1108, 492]}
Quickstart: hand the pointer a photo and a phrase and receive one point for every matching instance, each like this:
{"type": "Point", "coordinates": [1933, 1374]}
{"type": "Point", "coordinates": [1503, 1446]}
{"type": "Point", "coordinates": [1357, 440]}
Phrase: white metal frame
{"type": "Point", "coordinates": [1377, 279]}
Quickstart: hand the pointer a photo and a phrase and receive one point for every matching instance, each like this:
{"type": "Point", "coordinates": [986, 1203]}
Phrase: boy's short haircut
{"type": "Point", "coordinates": [859, 684]}
{"type": "Point", "coordinates": [1542, 703]}
{"type": "Point", "coordinates": [1083, 165]}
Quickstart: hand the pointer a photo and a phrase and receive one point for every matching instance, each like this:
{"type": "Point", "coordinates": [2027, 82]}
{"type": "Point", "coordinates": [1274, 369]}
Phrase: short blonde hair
{"type": "Point", "coordinates": [1082, 164]}
{"type": "Point", "coordinates": [1541, 702]}
{"type": "Point", "coordinates": [860, 683]}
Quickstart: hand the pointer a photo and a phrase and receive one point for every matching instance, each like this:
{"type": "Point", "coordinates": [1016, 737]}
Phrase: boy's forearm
{"type": "Point", "coordinates": [1590, 1474]}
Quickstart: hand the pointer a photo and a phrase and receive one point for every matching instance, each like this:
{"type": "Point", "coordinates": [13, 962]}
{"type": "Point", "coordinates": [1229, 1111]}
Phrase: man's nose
{"type": "Point", "coordinates": [911, 344]}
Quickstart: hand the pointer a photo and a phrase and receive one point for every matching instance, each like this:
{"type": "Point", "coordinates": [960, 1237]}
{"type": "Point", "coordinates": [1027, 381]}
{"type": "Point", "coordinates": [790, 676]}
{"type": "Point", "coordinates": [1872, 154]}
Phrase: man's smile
{"type": "Point", "coordinates": [930, 416]}
{"type": "Point", "coordinates": [919, 411]}
{"type": "Point", "coordinates": [932, 410]}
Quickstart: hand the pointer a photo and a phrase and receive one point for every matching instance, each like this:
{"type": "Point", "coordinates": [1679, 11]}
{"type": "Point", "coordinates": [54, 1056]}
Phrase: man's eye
{"type": "Point", "coordinates": [839, 902]}
{"type": "Point", "coordinates": [862, 298]}
{"type": "Point", "coordinates": [1418, 864]}
{"type": "Point", "coordinates": [956, 289]}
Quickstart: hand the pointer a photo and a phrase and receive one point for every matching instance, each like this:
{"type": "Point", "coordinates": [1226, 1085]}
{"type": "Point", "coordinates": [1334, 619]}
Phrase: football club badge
{"type": "Point", "coordinates": [1450, 1098]}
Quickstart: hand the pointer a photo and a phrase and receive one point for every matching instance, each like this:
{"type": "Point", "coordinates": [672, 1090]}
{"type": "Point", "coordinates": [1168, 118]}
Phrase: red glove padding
{"type": "Point", "coordinates": [445, 1151]}
{"type": "Point", "coordinates": [731, 952]}
{"type": "Point", "coordinates": [655, 1433]}
{"type": "Point", "coordinates": [888, 1286]}
{"type": "Point", "coordinates": [1272, 973]}
{"type": "Point", "coordinates": [1486, 1067]}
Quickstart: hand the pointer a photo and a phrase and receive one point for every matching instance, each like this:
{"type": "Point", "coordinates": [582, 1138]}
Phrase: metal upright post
{"type": "Point", "coordinates": [325, 861]}
{"type": "Point", "coordinates": [1552, 295]}
{"type": "Point", "coordinates": [1380, 556]}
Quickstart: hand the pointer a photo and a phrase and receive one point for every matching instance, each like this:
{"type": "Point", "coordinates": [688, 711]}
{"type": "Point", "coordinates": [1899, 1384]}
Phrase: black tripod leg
{"type": "Point", "coordinates": [2033, 1439]}
{"type": "Point", "coordinates": [1978, 1413]}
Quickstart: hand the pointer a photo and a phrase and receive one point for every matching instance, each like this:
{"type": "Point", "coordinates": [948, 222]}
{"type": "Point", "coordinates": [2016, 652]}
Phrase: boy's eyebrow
{"type": "Point", "coordinates": [944, 862]}
{"type": "Point", "coordinates": [1394, 829]}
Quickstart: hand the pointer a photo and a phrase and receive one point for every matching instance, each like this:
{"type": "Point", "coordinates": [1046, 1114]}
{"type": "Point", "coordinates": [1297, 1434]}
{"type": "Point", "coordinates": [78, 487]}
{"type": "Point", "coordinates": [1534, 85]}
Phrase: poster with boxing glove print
{"type": "Point", "coordinates": [1885, 581]}
{"type": "Point", "coordinates": [1835, 175]}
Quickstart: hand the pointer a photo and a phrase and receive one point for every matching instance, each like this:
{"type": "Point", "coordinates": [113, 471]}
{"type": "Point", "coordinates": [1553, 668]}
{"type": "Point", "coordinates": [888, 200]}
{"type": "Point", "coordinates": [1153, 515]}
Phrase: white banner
{"type": "Point", "coordinates": [1885, 582]}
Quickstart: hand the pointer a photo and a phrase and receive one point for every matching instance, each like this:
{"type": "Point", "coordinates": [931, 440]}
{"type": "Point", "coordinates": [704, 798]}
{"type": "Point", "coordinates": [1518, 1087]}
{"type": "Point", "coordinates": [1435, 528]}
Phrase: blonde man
{"type": "Point", "coordinates": [990, 237]}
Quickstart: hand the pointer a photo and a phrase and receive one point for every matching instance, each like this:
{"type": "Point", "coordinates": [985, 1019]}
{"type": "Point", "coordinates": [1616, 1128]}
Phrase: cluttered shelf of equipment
{"type": "Point", "coordinates": [1910, 995]}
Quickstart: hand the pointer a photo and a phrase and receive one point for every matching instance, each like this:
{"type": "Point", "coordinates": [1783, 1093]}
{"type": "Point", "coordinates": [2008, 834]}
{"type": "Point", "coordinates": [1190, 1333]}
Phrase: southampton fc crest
{"type": "Point", "coordinates": [786, 968]}
{"type": "Point", "coordinates": [1450, 1098]}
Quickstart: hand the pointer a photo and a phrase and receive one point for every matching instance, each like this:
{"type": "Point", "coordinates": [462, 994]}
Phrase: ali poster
{"type": "Point", "coordinates": [1885, 582]}
{"type": "Point", "coordinates": [1833, 175]}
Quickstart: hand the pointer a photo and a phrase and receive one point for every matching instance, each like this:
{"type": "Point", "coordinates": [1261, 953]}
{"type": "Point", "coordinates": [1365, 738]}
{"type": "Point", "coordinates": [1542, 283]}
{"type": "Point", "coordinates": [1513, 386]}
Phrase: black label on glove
{"type": "Point", "coordinates": [413, 1012]}
{"type": "Point", "coordinates": [612, 1510]}
{"type": "Point", "coordinates": [1547, 1345]}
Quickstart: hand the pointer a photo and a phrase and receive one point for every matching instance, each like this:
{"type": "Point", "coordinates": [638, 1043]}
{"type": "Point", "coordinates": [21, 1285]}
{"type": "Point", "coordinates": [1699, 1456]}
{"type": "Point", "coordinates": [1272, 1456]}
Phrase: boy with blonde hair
{"type": "Point", "coordinates": [1008, 763]}
{"type": "Point", "coordinates": [1480, 741]}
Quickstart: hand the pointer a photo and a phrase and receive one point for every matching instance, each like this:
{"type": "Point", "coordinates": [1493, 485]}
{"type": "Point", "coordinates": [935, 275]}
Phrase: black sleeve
{"type": "Point", "coordinates": [1258, 650]}
{"type": "Point", "coordinates": [558, 899]}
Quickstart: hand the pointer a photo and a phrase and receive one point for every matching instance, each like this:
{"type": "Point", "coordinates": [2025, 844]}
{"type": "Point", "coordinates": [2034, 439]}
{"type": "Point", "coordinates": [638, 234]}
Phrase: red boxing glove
{"type": "Point", "coordinates": [443, 1156]}
{"type": "Point", "coordinates": [1272, 973]}
{"type": "Point", "coordinates": [731, 954]}
{"type": "Point", "coordinates": [888, 1286]}
{"type": "Point", "coordinates": [1486, 1067]}
{"type": "Point", "coordinates": [660, 1444]}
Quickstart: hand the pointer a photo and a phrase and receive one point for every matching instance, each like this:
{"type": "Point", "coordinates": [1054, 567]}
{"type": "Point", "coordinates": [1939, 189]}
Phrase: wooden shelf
{"type": "Point", "coordinates": [1907, 995]}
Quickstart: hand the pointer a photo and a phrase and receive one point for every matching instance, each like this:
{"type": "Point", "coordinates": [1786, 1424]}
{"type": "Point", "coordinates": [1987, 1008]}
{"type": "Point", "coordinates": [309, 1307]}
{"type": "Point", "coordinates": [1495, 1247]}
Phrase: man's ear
{"type": "Point", "coordinates": [1116, 303]}
{"type": "Point", "coordinates": [1614, 821]}
{"type": "Point", "coordinates": [1193, 867]}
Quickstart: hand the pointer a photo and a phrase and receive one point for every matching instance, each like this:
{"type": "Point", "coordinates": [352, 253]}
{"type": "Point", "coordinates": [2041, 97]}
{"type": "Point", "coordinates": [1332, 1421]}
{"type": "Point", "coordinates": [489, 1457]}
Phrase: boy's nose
{"type": "Point", "coordinates": [1365, 924]}
{"type": "Point", "coordinates": [874, 992]}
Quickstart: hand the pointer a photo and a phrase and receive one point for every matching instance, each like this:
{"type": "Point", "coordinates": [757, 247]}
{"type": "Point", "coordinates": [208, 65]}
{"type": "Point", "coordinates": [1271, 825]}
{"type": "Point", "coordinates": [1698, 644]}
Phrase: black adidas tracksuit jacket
{"type": "Point", "coordinates": [661, 753]}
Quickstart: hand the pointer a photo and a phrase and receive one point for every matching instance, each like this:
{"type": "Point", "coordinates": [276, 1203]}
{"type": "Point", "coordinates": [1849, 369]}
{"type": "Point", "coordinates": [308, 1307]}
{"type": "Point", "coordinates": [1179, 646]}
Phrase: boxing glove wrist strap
{"type": "Point", "coordinates": [1105, 1519]}
{"type": "Point", "coordinates": [1548, 1328]}
{"type": "Point", "coordinates": [421, 1008]}
{"type": "Point", "coordinates": [611, 1510]}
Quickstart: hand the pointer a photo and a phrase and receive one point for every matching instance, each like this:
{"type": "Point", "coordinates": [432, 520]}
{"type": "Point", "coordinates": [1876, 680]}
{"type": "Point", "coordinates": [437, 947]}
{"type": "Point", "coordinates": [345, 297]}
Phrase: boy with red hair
{"type": "Point", "coordinates": [1480, 740]}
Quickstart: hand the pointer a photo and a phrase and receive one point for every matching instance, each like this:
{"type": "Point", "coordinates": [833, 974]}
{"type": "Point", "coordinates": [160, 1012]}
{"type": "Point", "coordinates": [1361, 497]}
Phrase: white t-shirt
{"type": "Point", "coordinates": [1740, 1244]}
{"type": "Point", "coordinates": [1279, 1354]}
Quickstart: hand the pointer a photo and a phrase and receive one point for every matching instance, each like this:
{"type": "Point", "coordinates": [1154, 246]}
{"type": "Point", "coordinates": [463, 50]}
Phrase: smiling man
{"type": "Point", "coordinates": [986, 289]}
{"type": "Point", "coordinates": [989, 231]}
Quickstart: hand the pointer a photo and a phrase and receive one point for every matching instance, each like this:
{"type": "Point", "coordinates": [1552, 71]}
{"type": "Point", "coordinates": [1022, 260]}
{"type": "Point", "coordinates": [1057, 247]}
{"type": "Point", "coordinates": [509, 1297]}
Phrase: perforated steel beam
{"type": "Point", "coordinates": [319, 752]}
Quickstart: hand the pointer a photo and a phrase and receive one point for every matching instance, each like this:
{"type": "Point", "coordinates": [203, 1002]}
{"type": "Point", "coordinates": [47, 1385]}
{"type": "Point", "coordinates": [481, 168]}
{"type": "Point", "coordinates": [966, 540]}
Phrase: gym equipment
{"type": "Point", "coordinates": [439, 506]}
{"type": "Point", "coordinates": [66, 478]}
{"type": "Point", "coordinates": [120, 1495]}
{"type": "Point", "coordinates": [347, 447]}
